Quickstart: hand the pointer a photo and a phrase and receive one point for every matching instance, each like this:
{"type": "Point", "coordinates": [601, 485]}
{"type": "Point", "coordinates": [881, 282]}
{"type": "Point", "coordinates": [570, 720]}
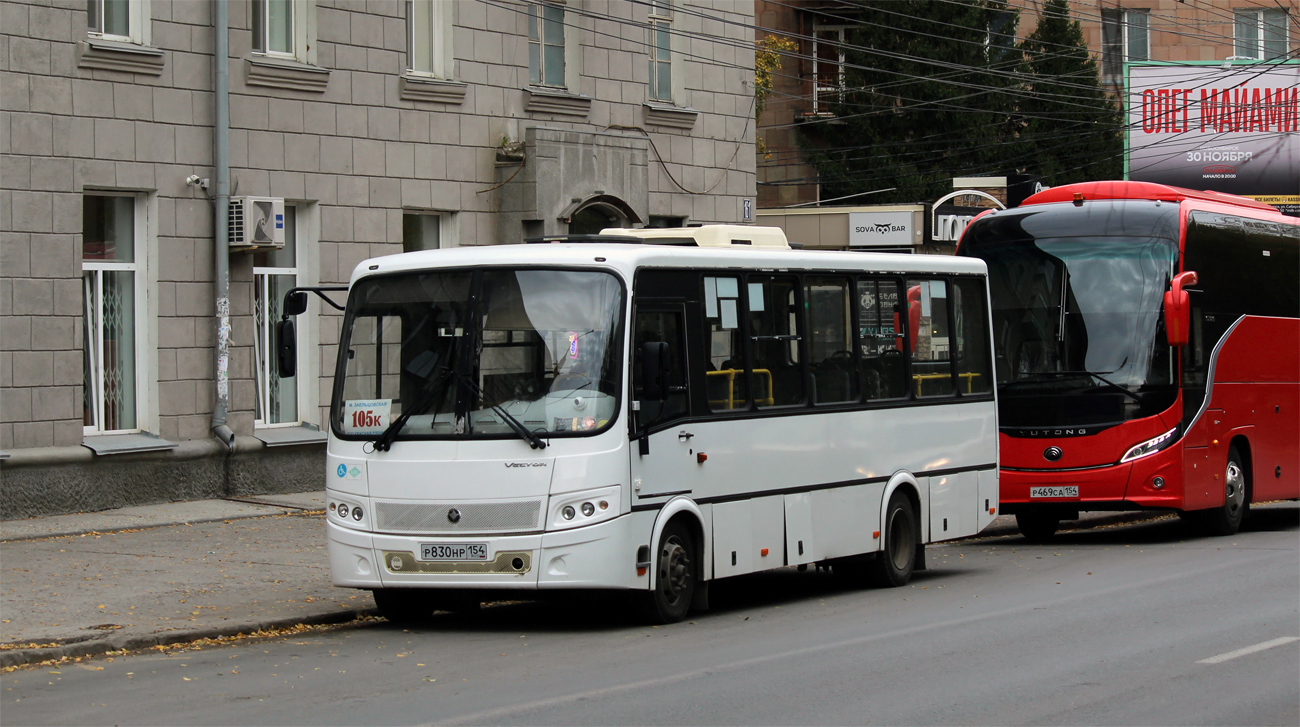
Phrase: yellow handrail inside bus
{"type": "Point", "coordinates": [969, 376]}
{"type": "Point", "coordinates": [730, 374]}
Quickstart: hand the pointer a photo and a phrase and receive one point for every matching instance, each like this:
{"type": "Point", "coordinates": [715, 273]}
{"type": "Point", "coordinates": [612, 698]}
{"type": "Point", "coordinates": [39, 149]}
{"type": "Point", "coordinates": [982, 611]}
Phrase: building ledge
{"type": "Point", "coordinates": [114, 55]}
{"type": "Point", "coordinates": [104, 444]}
{"type": "Point", "coordinates": [289, 436]}
{"type": "Point", "coordinates": [436, 90]}
{"type": "Point", "coordinates": [556, 101]}
{"type": "Point", "coordinates": [659, 114]}
{"type": "Point", "coordinates": [285, 73]}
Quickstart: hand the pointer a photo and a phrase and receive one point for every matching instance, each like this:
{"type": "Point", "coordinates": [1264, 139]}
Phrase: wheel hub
{"type": "Point", "coordinates": [1234, 488]}
{"type": "Point", "coordinates": [675, 570]}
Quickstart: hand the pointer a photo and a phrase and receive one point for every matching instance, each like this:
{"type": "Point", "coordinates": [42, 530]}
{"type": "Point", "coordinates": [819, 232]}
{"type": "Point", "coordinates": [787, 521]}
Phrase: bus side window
{"type": "Point", "coordinates": [880, 342]}
{"type": "Point", "coordinates": [830, 340]}
{"type": "Point", "coordinates": [666, 326]}
{"type": "Point", "coordinates": [777, 376]}
{"type": "Point", "coordinates": [973, 365]}
{"type": "Point", "coordinates": [931, 358]}
{"type": "Point", "coordinates": [727, 373]}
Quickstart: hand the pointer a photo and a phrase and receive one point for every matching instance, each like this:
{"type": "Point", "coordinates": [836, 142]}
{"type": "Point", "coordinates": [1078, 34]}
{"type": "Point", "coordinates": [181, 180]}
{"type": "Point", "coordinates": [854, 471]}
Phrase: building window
{"type": "Point", "coordinates": [661, 67]}
{"type": "Point", "coordinates": [275, 272]}
{"type": "Point", "coordinates": [1260, 33]}
{"type": "Point", "coordinates": [273, 27]}
{"type": "Point", "coordinates": [429, 37]}
{"type": "Point", "coordinates": [420, 232]}
{"type": "Point", "coordinates": [828, 66]}
{"type": "Point", "coordinates": [118, 19]}
{"type": "Point", "coordinates": [546, 45]}
{"type": "Point", "coordinates": [1125, 38]}
{"type": "Point", "coordinates": [110, 270]}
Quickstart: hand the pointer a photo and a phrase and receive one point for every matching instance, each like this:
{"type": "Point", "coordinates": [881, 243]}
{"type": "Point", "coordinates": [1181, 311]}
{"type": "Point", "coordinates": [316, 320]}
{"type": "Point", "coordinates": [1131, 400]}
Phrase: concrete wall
{"type": "Point", "coordinates": [349, 138]}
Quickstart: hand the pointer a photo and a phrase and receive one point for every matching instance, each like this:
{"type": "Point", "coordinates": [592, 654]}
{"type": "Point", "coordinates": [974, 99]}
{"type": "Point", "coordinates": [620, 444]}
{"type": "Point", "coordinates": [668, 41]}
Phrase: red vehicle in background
{"type": "Point", "coordinates": [1147, 343]}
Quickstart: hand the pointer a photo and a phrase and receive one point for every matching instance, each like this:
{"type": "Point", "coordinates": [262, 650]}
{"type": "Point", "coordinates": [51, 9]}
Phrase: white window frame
{"type": "Point", "coordinates": [138, 25]}
{"type": "Point", "coordinates": [302, 14]}
{"type": "Point", "coordinates": [430, 38]}
{"type": "Point", "coordinates": [569, 50]}
{"type": "Point", "coordinates": [820, 107]}
{"type": "Point", "coordinates": [1126, 26]}
{"type": "Point", "coordinates": [265, 332]}
{"type": "Point", "coordinates": [660, 19]}
{"type": "Point", "coordinates": [1260, 50]}
{"type": "Point", "coordinates": [139, 269]}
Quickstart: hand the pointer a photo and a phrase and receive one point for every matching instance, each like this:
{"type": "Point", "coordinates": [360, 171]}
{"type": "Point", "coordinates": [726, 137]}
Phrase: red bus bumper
{"type": "Point", "coordinates": [1127, 486]}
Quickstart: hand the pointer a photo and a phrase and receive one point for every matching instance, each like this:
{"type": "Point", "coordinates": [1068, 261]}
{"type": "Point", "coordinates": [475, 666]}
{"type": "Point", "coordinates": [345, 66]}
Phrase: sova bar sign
{"type": "Point", "coordinates": [1228, 129]}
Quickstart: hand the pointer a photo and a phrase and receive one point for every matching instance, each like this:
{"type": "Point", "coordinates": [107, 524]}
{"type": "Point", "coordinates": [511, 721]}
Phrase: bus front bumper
{"type": "Point", "coordinates": [598, 556]}
{"type": "Point", "coordinates": [1127, 486]}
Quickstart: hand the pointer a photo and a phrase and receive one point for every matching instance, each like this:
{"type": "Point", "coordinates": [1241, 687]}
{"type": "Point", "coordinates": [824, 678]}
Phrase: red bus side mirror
{"type": "Point", "coordinates": [1178, 309]}
{"type": "Point", "coordinates": [914, 314]}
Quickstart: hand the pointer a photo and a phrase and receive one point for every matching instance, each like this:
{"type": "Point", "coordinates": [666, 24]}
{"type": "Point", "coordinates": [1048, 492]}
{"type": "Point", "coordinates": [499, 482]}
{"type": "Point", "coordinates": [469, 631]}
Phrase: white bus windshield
{"type": "Point", "coordinates": [462, 349]}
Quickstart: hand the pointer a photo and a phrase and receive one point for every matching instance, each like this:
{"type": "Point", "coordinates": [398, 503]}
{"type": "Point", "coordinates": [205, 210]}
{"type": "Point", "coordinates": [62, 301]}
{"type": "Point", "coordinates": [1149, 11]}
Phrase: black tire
{"type": "Point", "coordinates": [1037, 527]}
{"type": "Point", "coordinates": [403, 605]}
{"type": "Point", "coordinates": [675, 574]}
{"type": "Point", "coordinates": [1226, 519]}
{"type": "Point", "coordinates": [893, 566]}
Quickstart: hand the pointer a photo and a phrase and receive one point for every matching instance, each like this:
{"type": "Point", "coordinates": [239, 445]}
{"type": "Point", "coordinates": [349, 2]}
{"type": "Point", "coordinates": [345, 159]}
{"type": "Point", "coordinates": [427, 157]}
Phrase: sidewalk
{"type": "Point", "coordinates": [74, 585]}
{"type": "Point", "coordinates": [140, 576]}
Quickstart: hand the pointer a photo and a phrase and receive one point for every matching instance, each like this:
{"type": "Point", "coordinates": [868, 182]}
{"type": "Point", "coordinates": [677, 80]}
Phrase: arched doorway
{"type": "Point", "coordinates": [591, 220]}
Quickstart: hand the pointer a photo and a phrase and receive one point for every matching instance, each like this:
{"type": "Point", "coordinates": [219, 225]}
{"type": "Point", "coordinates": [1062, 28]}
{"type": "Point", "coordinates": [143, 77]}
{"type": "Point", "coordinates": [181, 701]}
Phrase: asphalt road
{"type": "Point", "coordinates": [1136, 624]}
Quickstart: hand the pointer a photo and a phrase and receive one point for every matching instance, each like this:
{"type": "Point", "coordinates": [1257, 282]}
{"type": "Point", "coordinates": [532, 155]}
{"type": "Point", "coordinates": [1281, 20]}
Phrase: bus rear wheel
{"type": "Point", "coordinates": [1226, 520]}
{"type": "Point", "coordinates": [894, 565]}
{"type": "Point", "coordinates": [675, 574]}
{"type": "Point", "coordinates": [1037, 527]}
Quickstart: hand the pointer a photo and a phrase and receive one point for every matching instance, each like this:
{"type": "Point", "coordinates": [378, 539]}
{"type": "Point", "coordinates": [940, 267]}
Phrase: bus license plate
{"type": "Point", "coordinates": [1071, 491]}
{"type": "Point", "coordinates": [453, 551]}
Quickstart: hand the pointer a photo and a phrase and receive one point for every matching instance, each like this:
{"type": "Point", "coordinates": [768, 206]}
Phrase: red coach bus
{"type": "Point", "coordinates": [1147, 343]}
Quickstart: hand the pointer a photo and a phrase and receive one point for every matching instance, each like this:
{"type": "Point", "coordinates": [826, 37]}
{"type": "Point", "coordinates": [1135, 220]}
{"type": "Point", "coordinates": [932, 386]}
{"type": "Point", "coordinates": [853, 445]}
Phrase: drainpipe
{"type": "Point", "coordinates": [221, 149]}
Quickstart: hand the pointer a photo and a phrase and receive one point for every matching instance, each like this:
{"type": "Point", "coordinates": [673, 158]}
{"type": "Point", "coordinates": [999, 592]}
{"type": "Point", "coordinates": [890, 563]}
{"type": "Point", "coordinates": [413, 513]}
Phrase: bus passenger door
{"type": "Point", "coordinates": [663, 457]}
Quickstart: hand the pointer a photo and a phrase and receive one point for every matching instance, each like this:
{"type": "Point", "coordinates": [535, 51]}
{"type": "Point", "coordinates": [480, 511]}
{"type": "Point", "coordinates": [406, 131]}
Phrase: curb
{"type": "Point", "coordinates": [1077, 525]}
{"type": "Point", "coordinates": [128, 642]}
{"type": "Point", "coordinates": [284, 510]}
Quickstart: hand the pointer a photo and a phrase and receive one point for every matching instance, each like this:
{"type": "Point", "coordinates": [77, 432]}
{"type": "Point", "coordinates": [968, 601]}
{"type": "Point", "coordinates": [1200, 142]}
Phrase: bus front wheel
{"type": "Point", "coordinates": [1037, 527]}
{"type": "Point", "coordinates": [675, 574]}
{"type": "Point", "coordinates": [1226, 520]}
{"type": "Point", "coordinates": [402, 605]}
{"type": "Point", "coordinates": [894, 565]}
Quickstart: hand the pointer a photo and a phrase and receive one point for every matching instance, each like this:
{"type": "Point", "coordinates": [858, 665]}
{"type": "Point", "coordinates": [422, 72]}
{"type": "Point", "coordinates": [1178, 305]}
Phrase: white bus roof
{"type": "Point", "coordinates": [708, 235]}
{"type": "Point", "coordinates": [626, 259]}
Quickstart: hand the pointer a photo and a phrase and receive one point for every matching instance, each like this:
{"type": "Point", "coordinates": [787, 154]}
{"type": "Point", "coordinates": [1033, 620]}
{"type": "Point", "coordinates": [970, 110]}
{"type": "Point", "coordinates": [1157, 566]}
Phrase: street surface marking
{"type": "Point", "coordinates": [1248, 650]}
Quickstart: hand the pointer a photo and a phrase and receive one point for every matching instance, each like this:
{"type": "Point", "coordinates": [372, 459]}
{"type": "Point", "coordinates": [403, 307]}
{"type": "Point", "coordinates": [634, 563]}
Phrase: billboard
{"type": "Point", "coordinates": [1222, 126]}
{"type": "Point", "coordinates": [886, 228]}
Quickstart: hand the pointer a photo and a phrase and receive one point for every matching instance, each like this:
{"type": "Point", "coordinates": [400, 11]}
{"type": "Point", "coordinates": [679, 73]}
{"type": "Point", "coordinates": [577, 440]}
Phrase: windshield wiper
{"type": "Point", "coordinates": [533, 440]}
{"type": "Point", "coordinates": [1042, 376]}
{"type": "Point", "coordinates": [430, 394]}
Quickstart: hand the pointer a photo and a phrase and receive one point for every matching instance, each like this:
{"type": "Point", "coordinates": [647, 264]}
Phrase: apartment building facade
{"type": "Point", "coordinates": [1116, 31]}
{"type": "Point", "coordinates": [371, 128]}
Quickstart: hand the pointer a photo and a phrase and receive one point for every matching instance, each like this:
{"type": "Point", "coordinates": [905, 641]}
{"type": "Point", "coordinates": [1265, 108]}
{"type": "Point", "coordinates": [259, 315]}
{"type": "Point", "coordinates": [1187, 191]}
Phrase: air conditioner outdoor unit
{"type": "Point", "coordinates": [256, 223]}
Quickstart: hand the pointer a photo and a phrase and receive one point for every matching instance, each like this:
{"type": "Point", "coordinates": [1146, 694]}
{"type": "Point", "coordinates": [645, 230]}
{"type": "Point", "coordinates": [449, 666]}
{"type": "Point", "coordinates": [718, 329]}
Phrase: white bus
{"type": "Point", "coordinates": [650, 418]}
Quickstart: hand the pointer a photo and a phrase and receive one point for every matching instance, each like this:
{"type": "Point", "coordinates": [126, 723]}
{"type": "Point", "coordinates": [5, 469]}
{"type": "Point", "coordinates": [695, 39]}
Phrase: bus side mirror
{"type": "Point", "coordinates": [914, 314]}
{"type": "Point", "coordinates": [654, 370]}
{"type": "Point", "coordinates": [295, 302]}
{"type": "Point", "coordinates": [1178, 309]}
{"type": "Point", "coordinates": [286, 344]}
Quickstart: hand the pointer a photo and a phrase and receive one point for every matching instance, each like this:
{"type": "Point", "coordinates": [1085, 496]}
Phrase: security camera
{"type": "Point", "coordinates": [192, 179]}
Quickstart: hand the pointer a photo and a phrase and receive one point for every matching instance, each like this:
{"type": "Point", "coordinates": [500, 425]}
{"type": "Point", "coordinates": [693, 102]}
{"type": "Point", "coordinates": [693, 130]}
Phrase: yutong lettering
{"type": "Point", "coordinates": [1175, 111]}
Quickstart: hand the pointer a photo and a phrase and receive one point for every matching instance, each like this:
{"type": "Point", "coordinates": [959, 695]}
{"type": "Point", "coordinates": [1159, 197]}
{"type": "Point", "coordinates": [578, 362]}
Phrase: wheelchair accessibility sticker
{"type": "Point", "coordinates": [351, 473]}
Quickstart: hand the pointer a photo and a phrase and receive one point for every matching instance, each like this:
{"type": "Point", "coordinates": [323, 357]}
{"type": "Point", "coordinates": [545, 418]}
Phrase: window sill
{"type": "Point", "coordinates": [285, 73]}
{"type": "Point", "coordinates": [556, 101]}
{"type": "Point", "coordinates": [288, 436]}
{"type": "Point", "coordinates": [105, 444]}
{"type": "Point", "coordinates": [116, 55]}
{"type": "Point", "coordinates": [415, 87]}
{"type": "Point", "coordinates": [662, 114]}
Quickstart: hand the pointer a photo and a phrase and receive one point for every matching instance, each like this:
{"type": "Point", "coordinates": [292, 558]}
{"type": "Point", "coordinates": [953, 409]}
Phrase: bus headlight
{"type": "Point", "coordinates": [1150, 447]}
{"type": "Point", "coordinates": [576, 509]}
